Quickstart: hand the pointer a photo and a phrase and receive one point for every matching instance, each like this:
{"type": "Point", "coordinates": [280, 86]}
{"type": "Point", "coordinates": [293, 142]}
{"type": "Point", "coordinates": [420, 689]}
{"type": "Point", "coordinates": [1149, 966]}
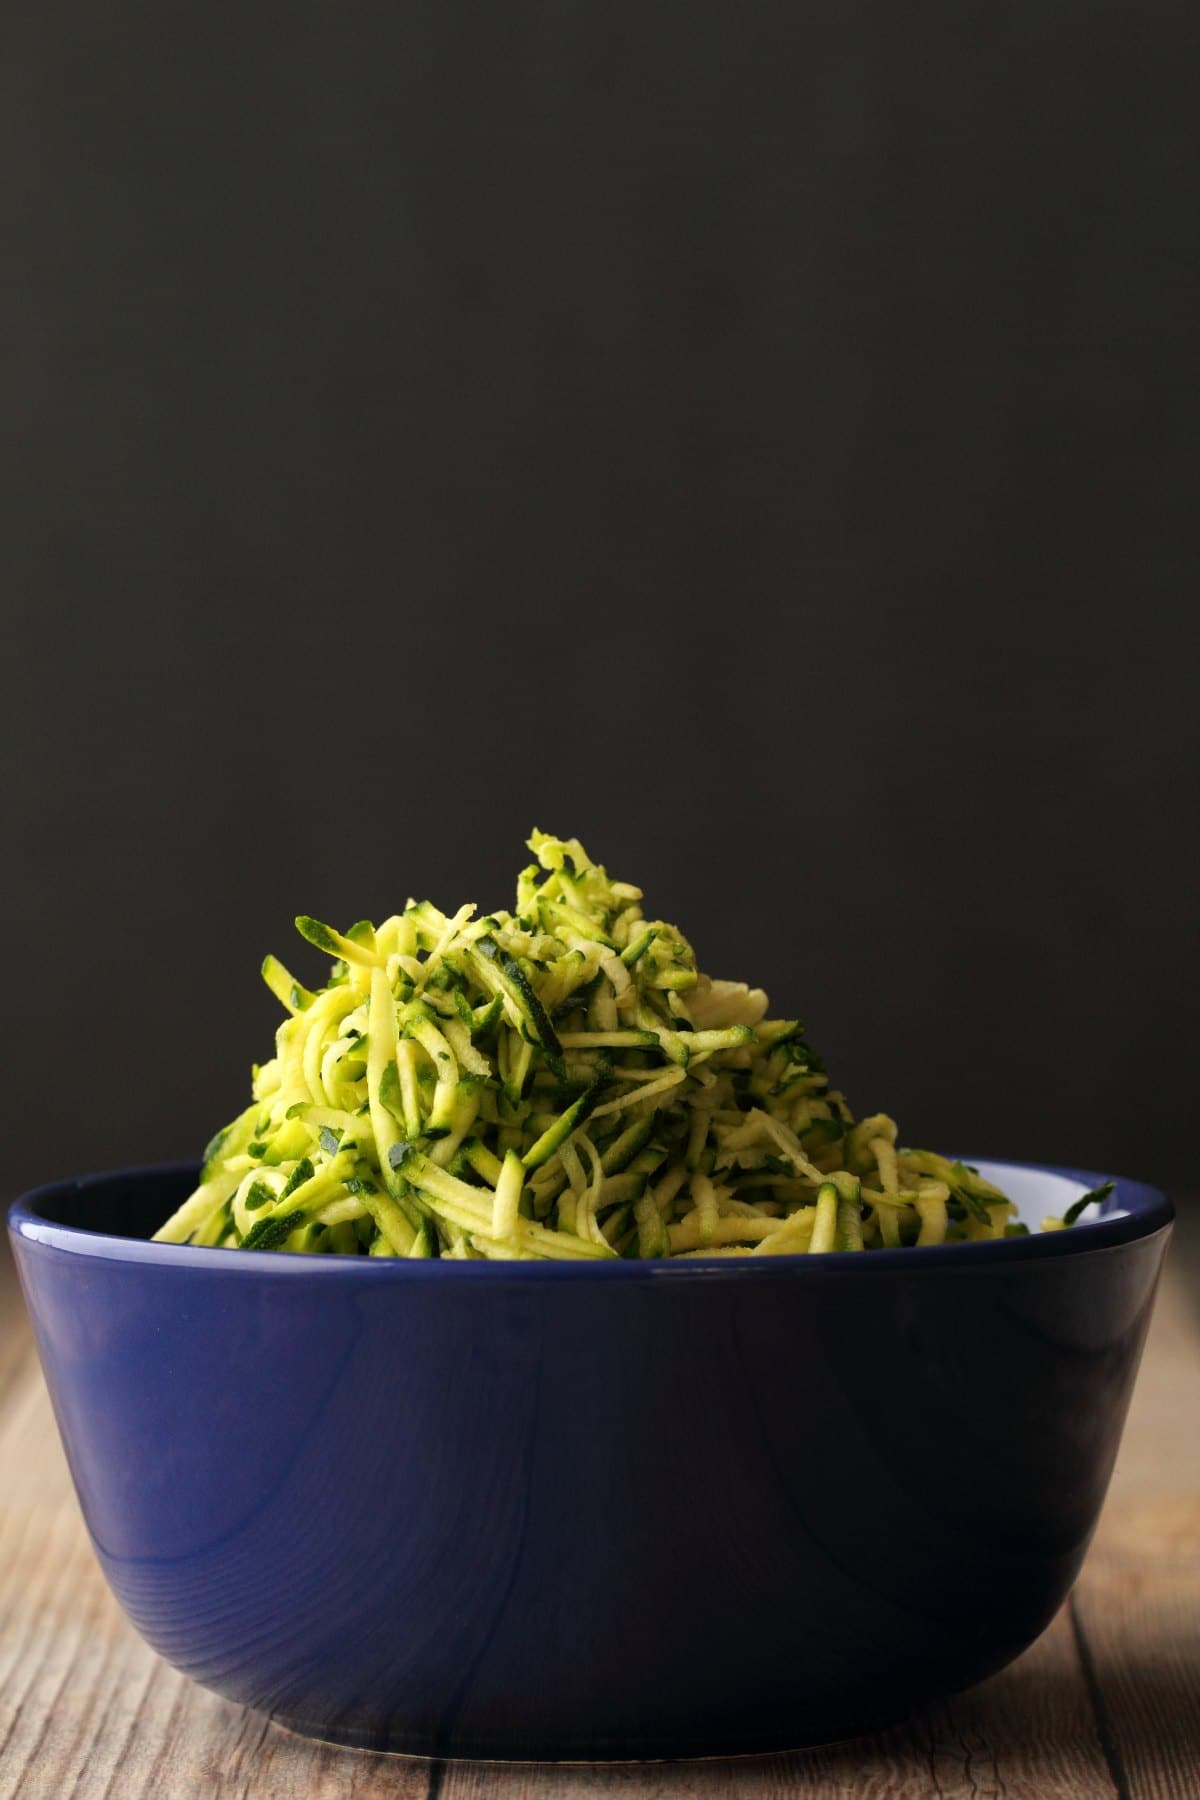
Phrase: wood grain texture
{"type": "Point", "coordinates": [1106, 1704]}
{"type": "Point", "coordinates": [14, 1326]}
{"type": "Point", "coordinates": [1141, 1633]}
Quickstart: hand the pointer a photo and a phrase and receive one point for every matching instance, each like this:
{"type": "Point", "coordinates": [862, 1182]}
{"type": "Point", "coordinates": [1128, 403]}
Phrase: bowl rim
{"type": "Point", "coordinates": [1145, 1211]}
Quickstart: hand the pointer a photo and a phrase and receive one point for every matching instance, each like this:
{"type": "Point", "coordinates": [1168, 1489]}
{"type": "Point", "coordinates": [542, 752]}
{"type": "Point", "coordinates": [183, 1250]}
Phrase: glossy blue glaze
{"type": "Point", "coordinates": [569, 1510]}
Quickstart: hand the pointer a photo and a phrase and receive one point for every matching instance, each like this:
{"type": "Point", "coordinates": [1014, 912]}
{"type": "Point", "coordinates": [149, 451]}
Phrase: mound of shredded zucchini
{"type": "Point", "coordinates": [556, 1082]}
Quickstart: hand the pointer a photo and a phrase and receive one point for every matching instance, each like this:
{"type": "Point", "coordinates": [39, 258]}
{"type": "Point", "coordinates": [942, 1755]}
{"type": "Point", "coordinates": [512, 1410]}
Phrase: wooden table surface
{"type": "Point", "coordinates": [1107, 1702]}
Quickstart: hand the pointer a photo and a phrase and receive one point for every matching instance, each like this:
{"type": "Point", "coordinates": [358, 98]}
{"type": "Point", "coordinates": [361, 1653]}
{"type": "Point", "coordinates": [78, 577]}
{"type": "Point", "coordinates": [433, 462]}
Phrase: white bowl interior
{"type": "Point", "coordinates": [1039, 1196]}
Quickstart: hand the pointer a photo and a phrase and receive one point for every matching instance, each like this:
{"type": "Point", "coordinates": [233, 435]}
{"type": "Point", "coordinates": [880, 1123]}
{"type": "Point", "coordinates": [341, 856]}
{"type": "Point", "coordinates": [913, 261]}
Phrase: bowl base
{"type": "Point", "coordinates": [416, 1748]}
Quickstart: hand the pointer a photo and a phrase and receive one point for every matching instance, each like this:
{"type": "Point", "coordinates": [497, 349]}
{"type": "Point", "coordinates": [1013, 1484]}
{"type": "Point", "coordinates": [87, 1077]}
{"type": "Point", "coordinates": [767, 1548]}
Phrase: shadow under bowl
{"type": "Point", "coordinates": [577, 1511]}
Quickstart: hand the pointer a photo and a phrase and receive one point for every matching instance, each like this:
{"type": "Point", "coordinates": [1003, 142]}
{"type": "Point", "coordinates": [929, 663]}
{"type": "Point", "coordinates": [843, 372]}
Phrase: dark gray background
{"type": "Point", "coordinates": [758, 439]}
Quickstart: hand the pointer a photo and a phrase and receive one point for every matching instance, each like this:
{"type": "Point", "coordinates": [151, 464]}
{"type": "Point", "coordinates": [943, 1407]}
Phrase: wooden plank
{"type": "Point", "coordinates": [1141, 1630]}
{"type": "Point", "coordinates": [14, 1325]}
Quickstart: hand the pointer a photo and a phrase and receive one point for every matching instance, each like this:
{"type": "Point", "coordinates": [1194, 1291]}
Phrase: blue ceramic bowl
{"type": "Point", "coordinates": [575, 1511]}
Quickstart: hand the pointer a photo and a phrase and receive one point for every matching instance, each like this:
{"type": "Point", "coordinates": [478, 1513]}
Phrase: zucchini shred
{"type": "Point", "coordinates": [560, 1082]}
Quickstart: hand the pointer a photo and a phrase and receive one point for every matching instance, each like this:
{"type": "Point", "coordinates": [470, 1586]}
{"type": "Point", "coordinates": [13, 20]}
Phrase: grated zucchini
{"type": "Point", "coordinates": [557, 1083]}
